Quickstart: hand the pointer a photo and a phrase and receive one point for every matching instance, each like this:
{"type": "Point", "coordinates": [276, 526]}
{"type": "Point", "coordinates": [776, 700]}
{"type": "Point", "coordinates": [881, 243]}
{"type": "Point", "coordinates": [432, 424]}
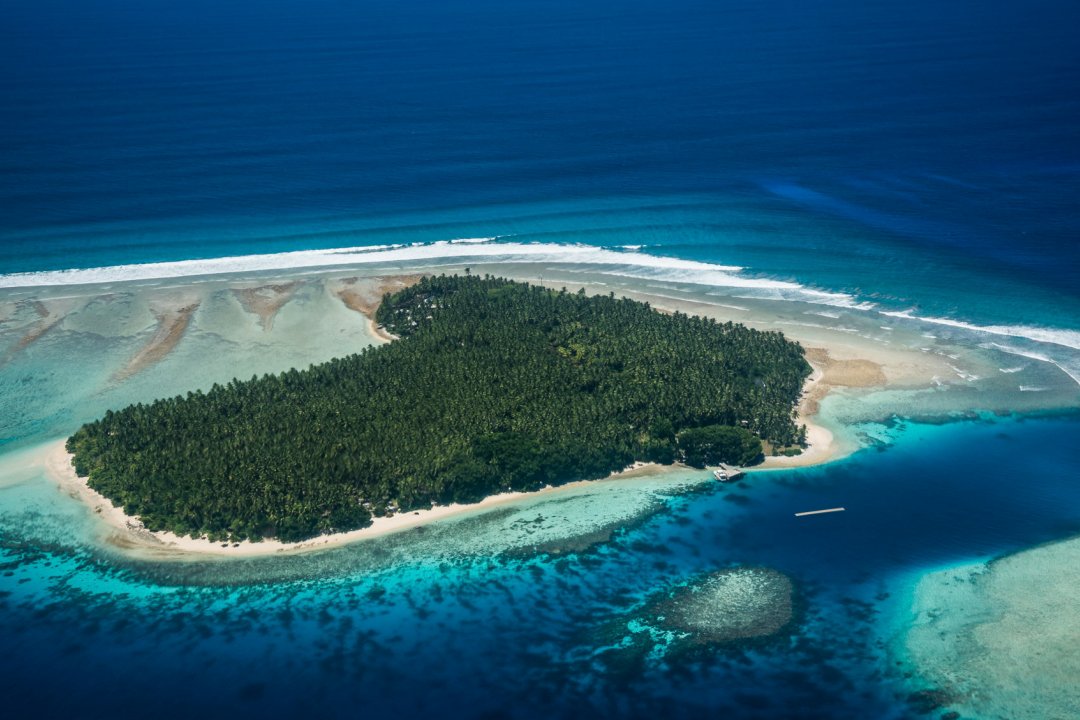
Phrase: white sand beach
{"type": "Point", "coordinates": [124, 532]}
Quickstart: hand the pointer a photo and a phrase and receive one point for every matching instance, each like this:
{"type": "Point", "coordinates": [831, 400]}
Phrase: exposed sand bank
{"type": "Point", "coordinates": [172, 323]}
{"type": "Point", "coordinates": [128, 533]}
{"type": "Point", "coordinates": [833, 373]}
{"type": "Point", "coordinates": [822, 444]}
{"type": "Point", "coordinates": [364, 297]}
{"type": "Point", "coordinates": [265, 301]}
{"type": "Point", "coordinates": [48, 316]}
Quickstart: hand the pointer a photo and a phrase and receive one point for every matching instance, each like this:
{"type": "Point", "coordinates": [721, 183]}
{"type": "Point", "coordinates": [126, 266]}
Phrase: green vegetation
{"type": "Point", "coordinates": [714, 444]}
{"type": "Point", "coordinates": [493, 386]}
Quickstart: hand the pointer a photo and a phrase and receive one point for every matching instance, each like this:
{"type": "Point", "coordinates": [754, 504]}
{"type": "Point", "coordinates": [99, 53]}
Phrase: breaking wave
{"type": "Point", "coordinates": [1058, 346]}
{"type": "Point", "coordinates": [632, 264]}
{"type": "Point", "coordinates": [1054, 336]}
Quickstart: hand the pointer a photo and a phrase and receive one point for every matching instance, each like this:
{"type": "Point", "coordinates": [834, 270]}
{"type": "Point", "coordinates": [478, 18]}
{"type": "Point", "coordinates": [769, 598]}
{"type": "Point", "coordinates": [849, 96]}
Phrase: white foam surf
{"type": "Point", "coordinates": [1056, 346]}
{"type": "Point", "coordinates": [1055, 336]}
{"type": "Point", "coordinates": [1070, 367]}
{"type": "Point", "coordinates": [619, 263]}
{"type": "Point", "coordinates": [727, 281]}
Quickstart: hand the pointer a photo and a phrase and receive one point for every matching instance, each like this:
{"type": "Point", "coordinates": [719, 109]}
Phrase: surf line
{"type": "Point", "coordinates": [819, 512]}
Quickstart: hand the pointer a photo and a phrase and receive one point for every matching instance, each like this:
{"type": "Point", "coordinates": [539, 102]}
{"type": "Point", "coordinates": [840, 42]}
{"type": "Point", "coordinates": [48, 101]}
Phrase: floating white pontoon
{"type": "Point", "coordinates": [819, 512]}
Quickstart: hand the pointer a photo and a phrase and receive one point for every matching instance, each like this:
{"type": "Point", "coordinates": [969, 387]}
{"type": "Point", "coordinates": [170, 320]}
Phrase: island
{"type": "Point", "coordinates": [490, 386]}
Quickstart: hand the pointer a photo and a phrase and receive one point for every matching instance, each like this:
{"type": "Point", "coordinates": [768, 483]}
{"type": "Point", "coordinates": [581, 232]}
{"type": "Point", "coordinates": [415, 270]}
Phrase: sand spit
{"type": "Point", "coordinates": [171, 326]}
{"type": "Point", "coordinates": [47, 319]}
{"type": "Point", "coordinates": [365, 295]}
{"type": "Point", "coordinates": [831, 373]}
{"type": "Point", "coordinates": [265, 301]}
{"type": "Point", "coordinates": [127, 533]}
{"type": "Point", "coordinates": [1000, 639]}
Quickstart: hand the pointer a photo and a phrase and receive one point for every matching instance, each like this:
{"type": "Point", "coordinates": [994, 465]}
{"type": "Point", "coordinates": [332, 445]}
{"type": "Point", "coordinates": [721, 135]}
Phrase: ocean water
{"type": "Point", "coordinates": [878, 168]}
{"type": "Point", "coordinates": [828, 144]}
{"type": "Point", "coordinates": [466, 623]}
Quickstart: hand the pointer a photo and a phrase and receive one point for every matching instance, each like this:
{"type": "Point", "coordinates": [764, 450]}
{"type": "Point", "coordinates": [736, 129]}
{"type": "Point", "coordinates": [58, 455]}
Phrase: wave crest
{"type": "Point", "coordinates": [606, 261]}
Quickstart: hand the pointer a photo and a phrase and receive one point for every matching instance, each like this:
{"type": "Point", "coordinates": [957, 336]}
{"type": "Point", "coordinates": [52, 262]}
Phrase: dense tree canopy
{"type": "Point", "coordinates": [493, 385]}
{"type": "Point", "coordinates": [712, 444]}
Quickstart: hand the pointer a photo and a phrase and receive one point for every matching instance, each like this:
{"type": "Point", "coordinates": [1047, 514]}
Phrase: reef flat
{"type": "Point", "coordinates": [999, 639]}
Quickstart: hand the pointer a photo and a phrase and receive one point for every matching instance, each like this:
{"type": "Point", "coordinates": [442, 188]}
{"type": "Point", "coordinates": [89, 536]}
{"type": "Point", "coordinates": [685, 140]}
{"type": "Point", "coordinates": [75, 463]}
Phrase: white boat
{"type": "Point", "coordinates": [726, 473]}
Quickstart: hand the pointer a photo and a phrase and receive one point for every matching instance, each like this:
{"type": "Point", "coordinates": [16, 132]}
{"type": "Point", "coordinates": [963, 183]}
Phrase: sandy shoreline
{"type": "Point", "coordinates": [364, 298]}
{"type": "Point", "coordinates": [822, 445]}
{"type": "Point", "coordinates": [127, 533]}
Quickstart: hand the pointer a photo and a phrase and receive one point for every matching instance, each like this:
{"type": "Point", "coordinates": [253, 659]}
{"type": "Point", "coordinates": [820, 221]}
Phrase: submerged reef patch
{"type": "Point", "coordinates": [729, 608]}
{"type": "Point", "coordinates": [999, 639]}
{"type": "Point", "coordinates": [729, 605]}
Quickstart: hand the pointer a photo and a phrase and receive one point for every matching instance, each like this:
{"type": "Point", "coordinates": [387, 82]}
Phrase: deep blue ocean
{"type": "Point", "coordinates": [827, 142]}
{"type": "Point", "coordinates": [918, 155]}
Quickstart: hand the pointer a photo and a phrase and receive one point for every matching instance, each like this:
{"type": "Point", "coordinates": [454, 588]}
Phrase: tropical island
{"type": "Point", "coordinates": [492, 386]}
